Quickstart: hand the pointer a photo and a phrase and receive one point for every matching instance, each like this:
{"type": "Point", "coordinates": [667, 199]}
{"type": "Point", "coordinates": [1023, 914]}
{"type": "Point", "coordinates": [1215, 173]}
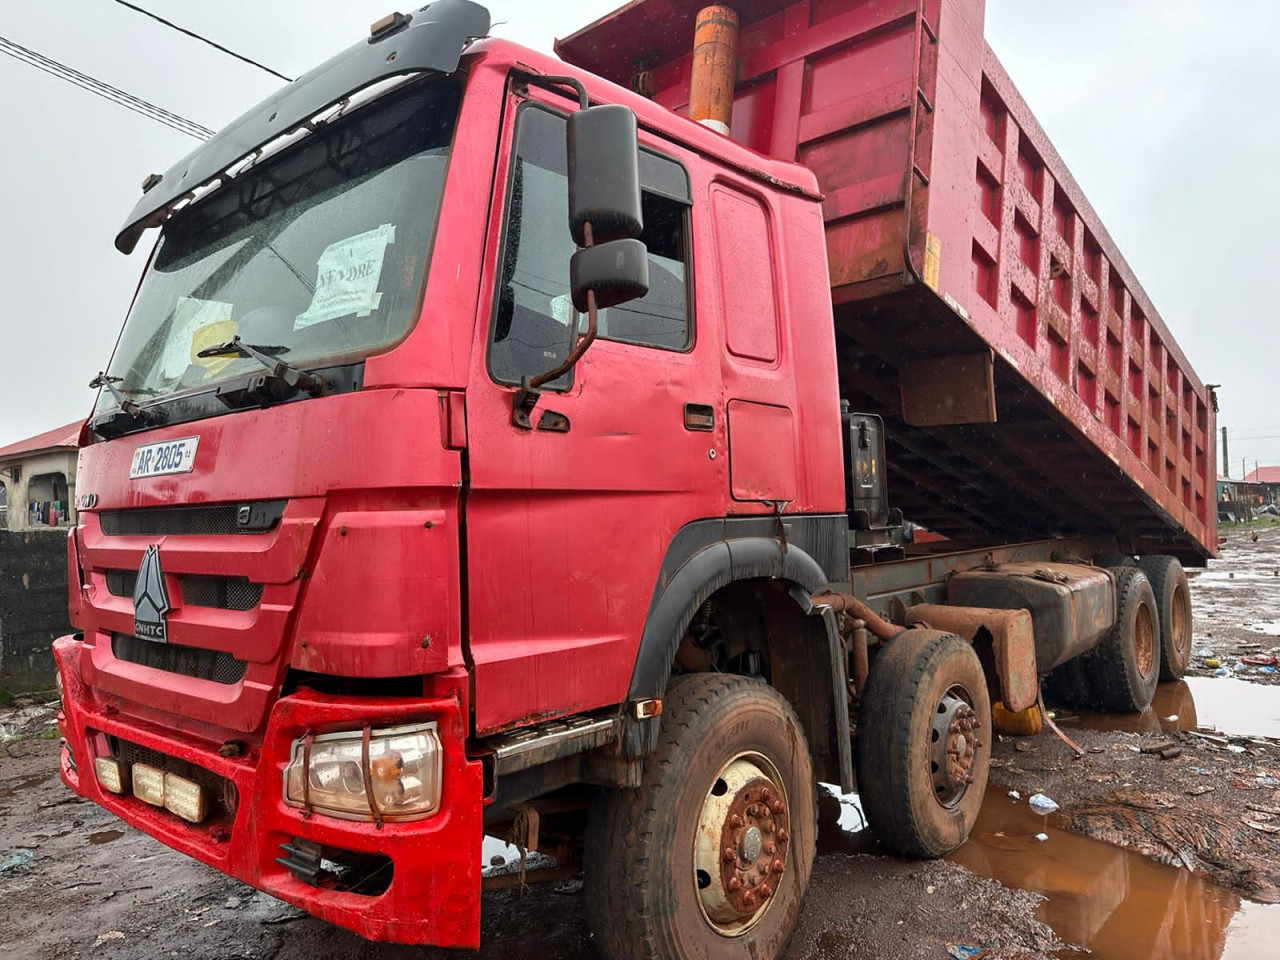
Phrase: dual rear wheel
{"type": "Point", "coordinates": [1150, 641]}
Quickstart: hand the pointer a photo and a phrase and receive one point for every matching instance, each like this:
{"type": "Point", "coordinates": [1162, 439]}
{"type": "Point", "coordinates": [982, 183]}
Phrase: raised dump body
{"type": "Point", "coordinates": [1028, 385]}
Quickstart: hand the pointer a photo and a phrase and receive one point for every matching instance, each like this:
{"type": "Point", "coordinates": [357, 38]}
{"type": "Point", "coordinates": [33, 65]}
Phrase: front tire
{"type": "Point", "coordinates": [923, 743]}
{"type": "Point", "coordinates": [710, 857]}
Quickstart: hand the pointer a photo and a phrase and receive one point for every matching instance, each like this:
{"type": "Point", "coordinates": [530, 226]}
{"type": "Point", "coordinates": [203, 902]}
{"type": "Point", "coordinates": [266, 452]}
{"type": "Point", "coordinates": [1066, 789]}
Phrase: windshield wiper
{"type": "Point", "coordinates": [291, 377]}
{"type": "Point", "coordinates": [121, 398]}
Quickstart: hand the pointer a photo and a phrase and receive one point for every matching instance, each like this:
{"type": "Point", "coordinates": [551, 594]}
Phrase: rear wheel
{"type": "Point", "coordinates": [1068, 685]}
{"type": "Point", "coordinates": [924, 743]}
{"type": "Point", "coordinates": [1173, 601]}
{"type": "Point", "coordinates": [1125, 668]}
{"type": "Point", "coordinates": [711, 855]}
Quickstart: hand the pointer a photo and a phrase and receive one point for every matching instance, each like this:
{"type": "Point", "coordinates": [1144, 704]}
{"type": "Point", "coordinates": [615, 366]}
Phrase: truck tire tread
{"type": "Point", "coordinates": [1167, 577]}
{"type": "Point", "coordinates": [626, 915]}
{"type": "Point", "coordinates": [884, 746]}
{"type": "Point", "coordinates": [1112, 667]}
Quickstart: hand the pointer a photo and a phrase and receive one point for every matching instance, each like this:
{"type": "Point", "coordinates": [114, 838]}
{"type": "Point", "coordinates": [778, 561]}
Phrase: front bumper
{"type": "Point", "coordinates": [434, 894]}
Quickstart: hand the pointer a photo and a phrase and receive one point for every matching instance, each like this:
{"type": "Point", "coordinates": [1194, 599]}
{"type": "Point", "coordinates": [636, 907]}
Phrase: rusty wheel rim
{"type": "Point", "coordinates": [1144, 639]}
{"type": "Point", "coordinates": [953, 746]}
{"type": "Point", "coordinates": [1181, 624]}
{"type": "Point", "coordinates": [741, 843]}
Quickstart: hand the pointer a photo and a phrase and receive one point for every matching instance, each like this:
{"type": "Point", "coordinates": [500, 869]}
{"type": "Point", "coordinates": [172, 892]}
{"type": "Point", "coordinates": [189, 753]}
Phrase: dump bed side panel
{"type": "Point", "coordinates": [955, 232]}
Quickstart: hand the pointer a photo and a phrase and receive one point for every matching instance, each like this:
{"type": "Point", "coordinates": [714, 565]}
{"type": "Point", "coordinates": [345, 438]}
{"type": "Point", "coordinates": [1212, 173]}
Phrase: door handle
{"type": "Point", "coordinates": [699, 417]}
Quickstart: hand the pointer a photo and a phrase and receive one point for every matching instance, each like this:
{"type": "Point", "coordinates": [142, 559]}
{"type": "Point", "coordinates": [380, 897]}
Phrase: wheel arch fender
{"type": "Point", "coordinates": [703, 560]}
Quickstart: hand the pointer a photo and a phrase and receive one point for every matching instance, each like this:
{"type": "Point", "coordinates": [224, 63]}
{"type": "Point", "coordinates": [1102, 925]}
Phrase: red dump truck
{"type": "Point", "coordinates": [492, 448]}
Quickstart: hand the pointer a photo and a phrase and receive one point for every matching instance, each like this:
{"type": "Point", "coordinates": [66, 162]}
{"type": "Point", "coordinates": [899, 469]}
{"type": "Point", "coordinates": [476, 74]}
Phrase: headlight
{"type": "Point", "coordinates": [404, 768]}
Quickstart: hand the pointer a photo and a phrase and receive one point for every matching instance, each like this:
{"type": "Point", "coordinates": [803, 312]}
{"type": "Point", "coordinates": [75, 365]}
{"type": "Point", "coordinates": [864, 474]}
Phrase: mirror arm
{"type": "Point", "coordinates": [526, 398]}
{"type": "Point", "coordinates": [548, 82]}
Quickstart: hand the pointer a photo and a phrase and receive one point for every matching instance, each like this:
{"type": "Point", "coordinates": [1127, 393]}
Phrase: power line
{"type": "Point", "coordinates": [104, 90]}
{"type": "Point", "coordinates": [203, 39]}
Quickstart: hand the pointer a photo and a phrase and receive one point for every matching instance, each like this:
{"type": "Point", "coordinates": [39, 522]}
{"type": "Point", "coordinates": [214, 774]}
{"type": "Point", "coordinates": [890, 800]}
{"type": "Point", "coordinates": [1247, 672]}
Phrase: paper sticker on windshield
{"type": "Point", "coordinates": [347, 276]}
{"type": "Point", "coordinates": [190, 316]}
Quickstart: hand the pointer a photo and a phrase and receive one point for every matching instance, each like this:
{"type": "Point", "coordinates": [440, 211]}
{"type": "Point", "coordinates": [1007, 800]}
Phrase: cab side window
{"type": "Point", "coordinates": [535, 325]}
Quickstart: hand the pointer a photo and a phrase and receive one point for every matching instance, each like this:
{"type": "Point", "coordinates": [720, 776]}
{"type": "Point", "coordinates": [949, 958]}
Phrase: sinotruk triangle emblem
{"type": "Point", "coordinates": [150, 598]}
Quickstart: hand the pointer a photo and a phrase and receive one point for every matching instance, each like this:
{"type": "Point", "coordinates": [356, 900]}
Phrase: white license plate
{"type": "Point", "coordinates": [157, 459]}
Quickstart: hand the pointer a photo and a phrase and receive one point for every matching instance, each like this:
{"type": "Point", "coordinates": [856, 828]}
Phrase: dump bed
{"type": "Point", "coordinates": [1029, 386]}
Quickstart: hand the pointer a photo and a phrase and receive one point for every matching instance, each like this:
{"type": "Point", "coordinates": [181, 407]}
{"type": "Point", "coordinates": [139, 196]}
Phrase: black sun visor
{"type": "Point", "coordinates": [431, 38]}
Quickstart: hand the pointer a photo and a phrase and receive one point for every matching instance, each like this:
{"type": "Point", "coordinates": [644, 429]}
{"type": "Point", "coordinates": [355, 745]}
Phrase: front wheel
{"type": "Point", "coordinates": [923, 743]}
{"type": "Point", "coordinates": [711, 855]}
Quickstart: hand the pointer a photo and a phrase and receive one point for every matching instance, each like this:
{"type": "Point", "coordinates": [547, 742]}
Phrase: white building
{"type": "Point", "coordinates": [38, 476]}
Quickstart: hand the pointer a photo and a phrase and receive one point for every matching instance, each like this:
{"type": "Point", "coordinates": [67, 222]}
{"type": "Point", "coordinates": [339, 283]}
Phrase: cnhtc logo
{"type": "Point", "coordinates": [150, 598]}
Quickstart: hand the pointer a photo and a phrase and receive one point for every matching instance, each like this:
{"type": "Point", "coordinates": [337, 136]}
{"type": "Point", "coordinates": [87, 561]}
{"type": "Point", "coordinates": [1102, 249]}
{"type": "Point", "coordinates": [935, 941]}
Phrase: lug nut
{"type": "Point", "coordinates": [769, 848]}
{"type": "Point", "coordinates": [734, 884]}
{"type": "Point", "coordinates": [776, 806]}
{"type": "Point", "coordinates": [766, 794]}
{"type": "Point", "coordinates": [729, 854]}
{"type": "Point", "coordinates": [777, 866]}
{"type": "Point", "coordinates": [766, 891]}
{"type": "Point", "coordinates": [783, 835]}
{"type": "Point", "coordinates": [749, 899]}
{"type": "Point", "coordinates": [735, 821]}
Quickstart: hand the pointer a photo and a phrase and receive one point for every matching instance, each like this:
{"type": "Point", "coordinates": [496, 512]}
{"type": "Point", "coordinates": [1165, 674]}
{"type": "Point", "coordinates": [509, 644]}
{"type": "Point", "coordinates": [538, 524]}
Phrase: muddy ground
{"type": "Point", "coordinates": [1191, 841]}
{"type": "Point", "coordinates": [76, 882]}
{"type": "Point", "coordinates": [1237, 608]}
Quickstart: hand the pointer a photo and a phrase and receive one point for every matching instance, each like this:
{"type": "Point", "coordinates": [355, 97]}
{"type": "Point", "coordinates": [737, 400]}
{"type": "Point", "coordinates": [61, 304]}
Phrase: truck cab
{"type": "Point", "coordinates": [492, 448]}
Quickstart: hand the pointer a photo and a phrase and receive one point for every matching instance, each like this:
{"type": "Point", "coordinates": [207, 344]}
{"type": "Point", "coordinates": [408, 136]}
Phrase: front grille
{"type": "Point", "coordinates": [220, 791]}
{"type": "Point", "coordinates": [215, 520]}
{"type": "Point", "coordinates": [198, 590]}
{"type": "Point", "coordinates": [215, 665]}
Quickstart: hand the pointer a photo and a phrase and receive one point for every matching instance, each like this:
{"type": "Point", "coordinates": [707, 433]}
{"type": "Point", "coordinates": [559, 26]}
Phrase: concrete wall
{"type": "Point", "coordinates": [33, 606]}
{"type": "Point", "coordinates": [33, 484]}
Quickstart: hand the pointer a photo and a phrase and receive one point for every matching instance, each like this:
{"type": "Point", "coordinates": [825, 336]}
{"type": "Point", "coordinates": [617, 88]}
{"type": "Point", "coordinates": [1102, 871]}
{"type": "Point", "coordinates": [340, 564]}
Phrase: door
{"type": "Point", "coordinates": [566, 528]}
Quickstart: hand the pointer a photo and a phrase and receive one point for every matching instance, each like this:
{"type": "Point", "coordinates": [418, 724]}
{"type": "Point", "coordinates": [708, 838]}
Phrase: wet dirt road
{"type": "Point", "coordinates": [75, 882]}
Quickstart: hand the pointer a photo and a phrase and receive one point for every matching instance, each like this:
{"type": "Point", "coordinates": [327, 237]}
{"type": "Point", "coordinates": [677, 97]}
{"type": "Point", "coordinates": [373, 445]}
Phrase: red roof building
{"type": "Point", "coordinates": [1263, 475]}
{"type": "Point", "coordinates": [38, 477]}
{"type": "Point", "coordinates": [60, 438]}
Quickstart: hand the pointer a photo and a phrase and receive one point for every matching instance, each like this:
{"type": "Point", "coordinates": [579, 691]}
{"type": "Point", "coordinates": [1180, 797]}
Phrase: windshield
{"type": "Point", "coordinates": [316, 255]}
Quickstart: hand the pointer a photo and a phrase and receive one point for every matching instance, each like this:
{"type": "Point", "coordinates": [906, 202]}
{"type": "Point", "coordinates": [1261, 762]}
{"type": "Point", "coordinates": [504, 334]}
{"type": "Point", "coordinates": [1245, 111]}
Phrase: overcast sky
{"type": "Point", "coordinates": [1162, 109]}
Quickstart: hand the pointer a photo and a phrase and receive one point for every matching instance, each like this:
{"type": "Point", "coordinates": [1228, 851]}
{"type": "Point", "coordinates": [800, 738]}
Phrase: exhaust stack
{"type": "Point", "coordinates": [715, 68]}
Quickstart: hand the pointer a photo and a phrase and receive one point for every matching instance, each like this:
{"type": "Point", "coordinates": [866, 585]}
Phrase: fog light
{"type": "Point", "coordinates": [183, 797]}
{"type": "Point", "coordinates": [148, 784]}
{"type": "Point", "coordinates": [111, 773]}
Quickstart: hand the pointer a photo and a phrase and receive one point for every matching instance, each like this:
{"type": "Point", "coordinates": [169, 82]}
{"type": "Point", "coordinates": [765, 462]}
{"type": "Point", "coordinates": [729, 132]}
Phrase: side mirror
{"type": "Point", "coordinates": [604, 208]}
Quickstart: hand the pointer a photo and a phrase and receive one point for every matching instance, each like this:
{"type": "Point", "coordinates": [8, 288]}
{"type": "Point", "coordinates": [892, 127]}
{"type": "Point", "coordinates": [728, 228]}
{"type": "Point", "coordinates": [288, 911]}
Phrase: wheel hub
{"type": "Point", "coordinates": [1144, 640]}
{"type": "Point", "coordinates": [954, 747]}
{"type": "Point", "coordinates": [741, 845]}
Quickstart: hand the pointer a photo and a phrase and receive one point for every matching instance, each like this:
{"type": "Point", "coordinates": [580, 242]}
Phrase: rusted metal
{"type": "Point", "coordinates": [1012, 644]}
{"type": "Point", "coordinates": [1144, 640]}
{"type": "Point", "coordinates": [1044, 712]}
{"type": "Point", "coordinates": [754, 840]}
{"type": "Point", "coordinates": [942, 391]}
{"type": "Point", "coordinates": [307, 809]}
{"type": "Point", "coordinates": [366, 770]}
{"type": "Point", "coordinates": [954, 746]}
{"type": "Point", "coordinates": [846, 603]}
{"type": "Point", "coordinates": [858, 653]}
{"type": "Point", "coordinates": [714, 68]}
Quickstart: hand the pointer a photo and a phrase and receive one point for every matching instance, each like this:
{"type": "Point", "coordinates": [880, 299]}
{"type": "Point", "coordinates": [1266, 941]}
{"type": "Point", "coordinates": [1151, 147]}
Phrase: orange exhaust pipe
{"type": "Point", "coordinates": [715, 67]}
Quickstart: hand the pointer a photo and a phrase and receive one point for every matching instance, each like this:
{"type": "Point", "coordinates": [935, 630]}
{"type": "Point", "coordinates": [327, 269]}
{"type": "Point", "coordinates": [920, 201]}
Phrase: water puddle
{"type": "Point", "coordinates": [1117, 904]}
{"type": "Point", "coordinates": [105, 836]}
{"type": "Point", "coordinates": [17, 786]}
{"type": "Point", "coordinates": [1234, 707]}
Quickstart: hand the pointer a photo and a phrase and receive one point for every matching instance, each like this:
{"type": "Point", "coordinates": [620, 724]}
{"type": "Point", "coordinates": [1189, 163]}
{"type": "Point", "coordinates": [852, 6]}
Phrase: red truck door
{"type": "Point", "coordinates": [566, 524]}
